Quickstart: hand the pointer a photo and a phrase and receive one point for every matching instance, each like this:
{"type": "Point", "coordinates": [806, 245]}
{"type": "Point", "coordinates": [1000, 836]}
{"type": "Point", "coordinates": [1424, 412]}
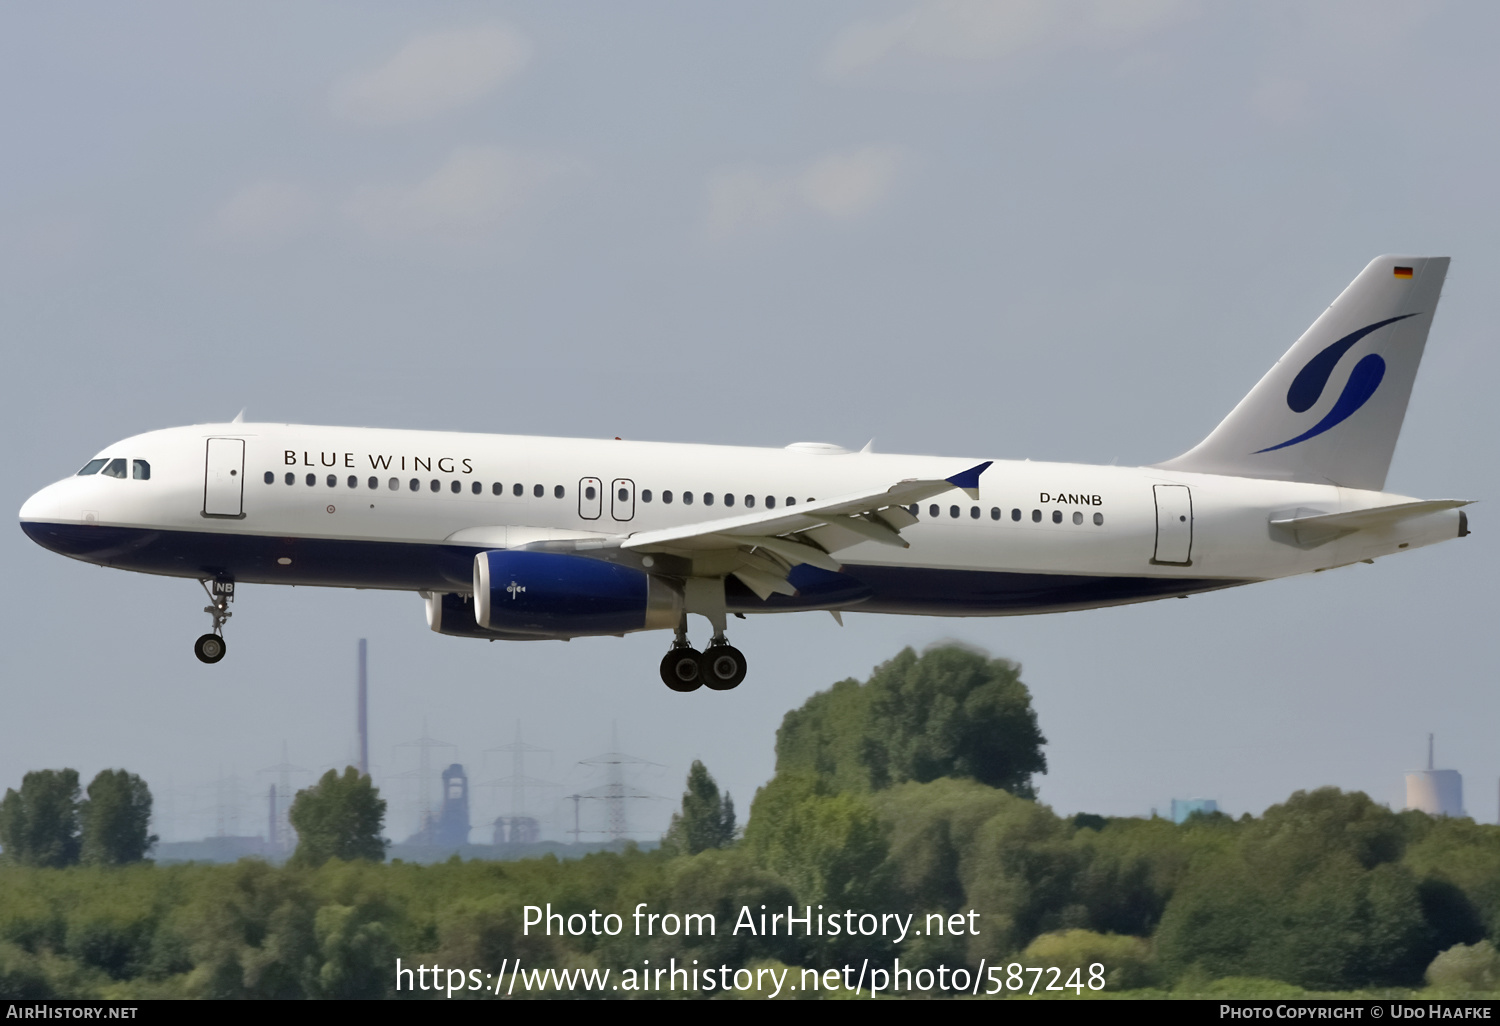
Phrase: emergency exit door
{"type": "Point", "coordinates": [622, 499]}
{"type": "Point", "coordinates": [224, 478]}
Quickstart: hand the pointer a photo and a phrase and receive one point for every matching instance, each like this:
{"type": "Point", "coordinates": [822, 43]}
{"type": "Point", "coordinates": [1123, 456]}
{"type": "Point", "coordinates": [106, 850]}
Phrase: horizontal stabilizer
{"type": "Point", "coordinates": [1311, 528]}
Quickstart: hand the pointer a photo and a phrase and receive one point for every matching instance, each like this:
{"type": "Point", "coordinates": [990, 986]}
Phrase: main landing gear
{"type": "Point", "coordinates": [210, 648]}
{"type": "Point", "coordinates": [684, 668]}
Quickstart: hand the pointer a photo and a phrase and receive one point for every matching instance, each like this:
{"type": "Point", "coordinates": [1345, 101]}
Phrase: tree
{"type": "Point", "coordinates": [953, 712]}
{"type": "Point", "coordinates": [950, 712]}
{"type": "Point", "coordinates": [39, 824]}
{"type": "Point", "coordinates": [706, 820]}
{"type": "Point", "coordinates": [116, 819]}
{"type": "Point", "coordinates": [338, 818]}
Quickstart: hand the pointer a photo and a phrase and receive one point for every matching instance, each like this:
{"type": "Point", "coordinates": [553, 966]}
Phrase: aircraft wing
{"type": "Point", "coordinates": [768, 544]}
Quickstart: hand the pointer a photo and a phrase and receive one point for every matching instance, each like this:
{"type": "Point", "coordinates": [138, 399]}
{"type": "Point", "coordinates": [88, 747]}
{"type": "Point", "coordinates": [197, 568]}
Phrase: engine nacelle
{"type": "Point", "coordinates": [553, 594]}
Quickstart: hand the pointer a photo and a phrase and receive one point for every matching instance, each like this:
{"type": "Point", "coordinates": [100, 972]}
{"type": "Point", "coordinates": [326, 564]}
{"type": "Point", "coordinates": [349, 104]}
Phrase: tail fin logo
{"type": "Point", "coordinates": [1307, 386]}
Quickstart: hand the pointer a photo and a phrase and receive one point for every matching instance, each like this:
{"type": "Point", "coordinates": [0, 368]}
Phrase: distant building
{"type": "Point", "coordinates": [517, 830]}
{"type": "Point", "coordinates": [1182, 808]}
{"type": "Point", "coordinates": [1434, 791]}
{"type": "Point", "coordinates": [453, 821]}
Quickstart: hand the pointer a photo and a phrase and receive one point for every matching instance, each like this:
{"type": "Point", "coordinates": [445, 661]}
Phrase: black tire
{"type": "Point", "coordinates": [681, 669]}
{"type": "Point", "coordinates": [723, 667]}
{"type": "Point", "coordinates": [209, 648]}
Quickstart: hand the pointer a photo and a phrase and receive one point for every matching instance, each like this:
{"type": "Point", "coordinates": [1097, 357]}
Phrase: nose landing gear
{"type": "Point", "coordinates": [210, 648]}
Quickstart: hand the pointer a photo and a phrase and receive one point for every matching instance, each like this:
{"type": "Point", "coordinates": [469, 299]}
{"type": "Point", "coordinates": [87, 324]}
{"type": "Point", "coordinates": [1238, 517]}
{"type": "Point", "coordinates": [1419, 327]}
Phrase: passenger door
{"type": "Point", "coordinates": [1174, 525]}
{"type": "Point", "coordinates": [224, 478]}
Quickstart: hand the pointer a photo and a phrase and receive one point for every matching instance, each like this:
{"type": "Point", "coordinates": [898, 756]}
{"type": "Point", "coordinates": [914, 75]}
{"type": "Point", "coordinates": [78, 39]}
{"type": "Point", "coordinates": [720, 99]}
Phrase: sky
{"type": "Point", "coordinates": [1072, 230]}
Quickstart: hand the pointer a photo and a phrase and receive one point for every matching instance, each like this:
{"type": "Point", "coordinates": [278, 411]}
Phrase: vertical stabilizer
{"type": "Point", "coordinates": [1331, 409]}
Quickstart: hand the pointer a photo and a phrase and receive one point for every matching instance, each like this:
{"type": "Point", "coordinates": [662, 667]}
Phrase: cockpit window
{"type": "Point", "coordinates": [140, 470]}
{"type": "Point", "coordinates": [116, 468]}
{"type": "Point", "coordinates": [91, 467]}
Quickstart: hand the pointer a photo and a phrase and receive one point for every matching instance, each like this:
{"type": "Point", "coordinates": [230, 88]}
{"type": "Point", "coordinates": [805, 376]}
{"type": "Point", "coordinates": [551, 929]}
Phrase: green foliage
{"type": "Point", "coordinates": [338, 818]}
{"type": "Point", "coordinates": [39, 824]}
{"type": "Point", "coordinates": [1466, 968]}
{"type": "Point", "coordinates": [1311, 895]}
{"type": "Point", "coordinates": [706, 820]}
{"type": "Point", "coordinates": [829, 846]}
{"type": "Point", "coordinates": [950, 712]}
{"type": "Point", "coordinates": [1127, 961]}
{"type": "Point", "coordinates": [116, 820]}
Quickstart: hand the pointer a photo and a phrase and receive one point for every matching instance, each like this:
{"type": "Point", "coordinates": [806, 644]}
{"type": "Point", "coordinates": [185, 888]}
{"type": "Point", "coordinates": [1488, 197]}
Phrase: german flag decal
{"type": "Point", "coordinates": [1403, 272]}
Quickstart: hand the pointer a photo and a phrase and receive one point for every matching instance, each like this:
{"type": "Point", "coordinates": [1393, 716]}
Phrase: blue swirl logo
{"type": "Point", "coordinates": [1307, 386]}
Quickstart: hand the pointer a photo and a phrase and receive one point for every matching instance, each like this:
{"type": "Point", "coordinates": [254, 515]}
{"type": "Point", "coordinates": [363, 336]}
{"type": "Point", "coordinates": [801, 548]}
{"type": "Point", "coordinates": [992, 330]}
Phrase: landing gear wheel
{"type": "Point", "coordinates": [681, 669]}
{"type": "Point", "coordinates": [723, 667]}
{"type": "Point", "coordinates": [209, 648]}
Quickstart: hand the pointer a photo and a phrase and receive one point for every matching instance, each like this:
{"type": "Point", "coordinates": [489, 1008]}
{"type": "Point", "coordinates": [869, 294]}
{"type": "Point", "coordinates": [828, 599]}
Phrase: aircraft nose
{"type": "Point", "coordinates": [44, 505]}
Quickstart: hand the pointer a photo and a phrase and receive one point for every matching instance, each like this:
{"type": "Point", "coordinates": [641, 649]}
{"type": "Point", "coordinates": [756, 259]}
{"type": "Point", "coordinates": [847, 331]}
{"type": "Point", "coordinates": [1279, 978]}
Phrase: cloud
{"type": "Point", "coordinates": [432, 74]}
{"type": "Point", "coordinates": [266, 213]}
{"type": "Point", "coordinates": [474, 190]}
{"type": "Point", "coordinates": [837, 185]}
{"type": "Point", "coordinates": [973, 31]}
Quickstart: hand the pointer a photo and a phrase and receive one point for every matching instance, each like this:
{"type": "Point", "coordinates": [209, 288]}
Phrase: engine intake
{"type": "Point", "coordinates": [554, 594]}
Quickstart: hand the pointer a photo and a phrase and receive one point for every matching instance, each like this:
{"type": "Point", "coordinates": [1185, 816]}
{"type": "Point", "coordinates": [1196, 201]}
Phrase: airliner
{"type": "Point", "coordinates": [520, 538]}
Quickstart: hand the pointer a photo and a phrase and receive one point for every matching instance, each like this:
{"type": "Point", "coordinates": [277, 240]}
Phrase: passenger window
{"type": "Point", "coordinates": [538, 491]}
{"type": "Point", "coordinates": [589, 493]}
{"type": "Point", "coordinates": [455, 488]}
{"type": "Point", "coordinates": [994, 512]}
{"type": "Point", "coordinates": [415, 485]}
{"type": "Point", "coordinates": [291, 478]}
{"type": "Point", "coordinates": [477, 488]}
{"type": "Point", "coordinates": [270, 477]}
{"type": "Point", "coordinates": [116, 468]}
{"type": "Point", "coordinates": [791, 500]}
{"type": "Point", "coordinates": [374, 483]}
{"type": "Point", "coordinates": [497, 488]}
{"type": "Point", "coordinates": [1057, 516]}
{"type": "Point", "coordinates": [687, 498]}
{"type": "Point", "coordinates": [312, 479]}
{"type": "Point", "coordinates": [729, 499]}
{"type": "Point", "coordinates": [646, 495]}
{"type": "Point", "coordinates": [1036, 516]}
{"type": "Point", "coordinates": [953, 512]}
{"type": "Point", "coordinates": [518, 489]}
{"type": "Point", "coordinates": [932, 511]}
{"type": "Point", "coordinates": [333, 481]}
{"type": "Point", "coordinates": [624, 495]}
{"type": "Point", "coordinates": [435, 485]}
{"type": "Point", "coordinates": [708, 498]}
{"type": "Point", "coordinates": [666, 497]}
{"type": "Point", "coordinates": [1077, 517]}
{"type": "Point", "coordinates": [1098, 519]}
{"type": "Point", "coordinates": [91, 467]}
{"type": "Point", "coordinates": [1015, 514]}
{"type": "Point", "coordinates": [353, 481]}
{"type": "Point", "coordinates": [973, 512]}
{"type": "Point", "coordinates": [394, 485]}
{"type": "Point", "coordinates": [140, 470]}
{"type": "Point", "coordinates": [558, 491]}
{"type": "Point", "coordinates": [770, 502]}
{"type": "Point", "coordinates": [749, 502]}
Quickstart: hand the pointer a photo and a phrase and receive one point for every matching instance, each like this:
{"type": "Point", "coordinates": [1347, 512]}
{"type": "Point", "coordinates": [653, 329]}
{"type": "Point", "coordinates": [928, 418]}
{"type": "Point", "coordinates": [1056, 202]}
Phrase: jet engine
{"type": "Point", "coordinates": [554, 594]}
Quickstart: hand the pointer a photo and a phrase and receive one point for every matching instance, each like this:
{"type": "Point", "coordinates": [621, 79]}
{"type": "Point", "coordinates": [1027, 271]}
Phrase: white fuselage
{"type": "Point", "coordinates": [408, 509]}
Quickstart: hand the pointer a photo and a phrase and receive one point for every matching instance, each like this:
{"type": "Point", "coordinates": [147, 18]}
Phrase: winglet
{"type": "Point", "coordinates": [969, 479]}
